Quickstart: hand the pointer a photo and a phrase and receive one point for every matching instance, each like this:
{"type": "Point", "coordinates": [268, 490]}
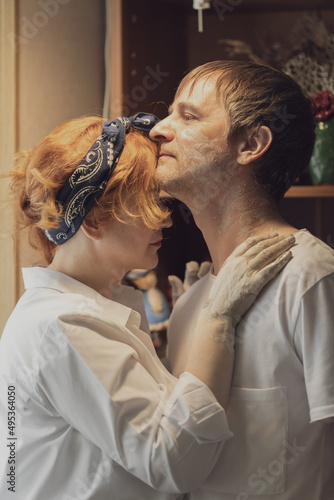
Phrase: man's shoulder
{"type": "Point", "coordinates": [313, 261]}
{"type": "Point", "coordinates": [310, 251]}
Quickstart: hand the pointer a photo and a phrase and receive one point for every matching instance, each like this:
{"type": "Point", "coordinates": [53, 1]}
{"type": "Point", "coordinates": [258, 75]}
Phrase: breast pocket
{"type": "Point", "coordinates": [253, 460]}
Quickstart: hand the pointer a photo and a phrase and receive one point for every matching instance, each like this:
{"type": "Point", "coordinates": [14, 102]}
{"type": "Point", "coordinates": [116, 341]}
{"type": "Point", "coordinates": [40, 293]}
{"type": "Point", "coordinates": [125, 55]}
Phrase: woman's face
{"type": "Point", "coordinates": [133, 245]}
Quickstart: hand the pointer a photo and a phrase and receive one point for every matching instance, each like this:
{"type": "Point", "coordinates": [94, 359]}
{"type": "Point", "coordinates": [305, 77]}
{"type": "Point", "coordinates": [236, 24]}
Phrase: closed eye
{"type": "Point", "coordinates": [189, 117]}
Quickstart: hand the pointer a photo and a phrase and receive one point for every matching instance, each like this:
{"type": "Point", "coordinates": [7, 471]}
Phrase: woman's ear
{"type": "Point", "coordinates": [91, 229]}
{"type": "Point", "coordinates": [254, 146]}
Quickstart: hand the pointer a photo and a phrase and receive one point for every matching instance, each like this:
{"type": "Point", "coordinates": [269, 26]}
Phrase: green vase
{"type": "Point", "coordinates": [321, 165]}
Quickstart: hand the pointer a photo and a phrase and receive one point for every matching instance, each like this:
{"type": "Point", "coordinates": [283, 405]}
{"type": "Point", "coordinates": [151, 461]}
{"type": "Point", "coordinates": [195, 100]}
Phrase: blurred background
{"type": "Point", "coordinates": [62, 59]}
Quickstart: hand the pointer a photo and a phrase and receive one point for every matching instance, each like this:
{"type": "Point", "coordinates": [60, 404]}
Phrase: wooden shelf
{"type": "Point", "coordinates": [324, 191]}
{"type": "Point", "coordinates": [318, 194]}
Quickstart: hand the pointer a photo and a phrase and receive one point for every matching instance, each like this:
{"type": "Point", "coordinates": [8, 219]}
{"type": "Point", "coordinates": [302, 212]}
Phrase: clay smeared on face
{"type": "Point", "coordinates": [198, 151]}
{"type": "Point", "coordinates": [198, 159]}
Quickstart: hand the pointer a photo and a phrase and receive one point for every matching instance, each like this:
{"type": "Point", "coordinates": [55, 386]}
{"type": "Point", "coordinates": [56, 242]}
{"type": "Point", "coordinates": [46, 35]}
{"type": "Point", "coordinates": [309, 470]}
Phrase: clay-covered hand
{"type": "Point", "coordinates": [243, 275]}
{"type": "Point", "coordinates": [193, 273]}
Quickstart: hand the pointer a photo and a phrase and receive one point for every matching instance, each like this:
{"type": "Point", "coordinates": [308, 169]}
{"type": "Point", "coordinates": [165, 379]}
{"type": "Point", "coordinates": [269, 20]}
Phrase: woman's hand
{"type": "Point", "coordinates": [243, 275]}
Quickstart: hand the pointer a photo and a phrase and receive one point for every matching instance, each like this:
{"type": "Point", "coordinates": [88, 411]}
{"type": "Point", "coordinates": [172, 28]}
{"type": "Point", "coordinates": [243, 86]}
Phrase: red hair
{"type": "Point", "coordinates": [41, 173]}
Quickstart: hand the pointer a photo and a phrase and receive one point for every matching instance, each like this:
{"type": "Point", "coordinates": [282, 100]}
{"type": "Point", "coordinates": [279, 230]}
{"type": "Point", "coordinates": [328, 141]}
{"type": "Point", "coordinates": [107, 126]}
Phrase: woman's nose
{"type": "Point", "coordinates": [162, 131]}
{"type": "Point", "coordinates": [168, 222]}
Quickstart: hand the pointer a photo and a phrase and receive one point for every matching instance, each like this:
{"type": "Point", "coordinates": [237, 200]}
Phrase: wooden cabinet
{"type": "Point", "coordinates": [161, 40]}
{"type": "Point", "coordinates": [319, 192]}
{"type": "Point", "coordinates": [161, 43]}
{"type": "Point", "coordinates": [321, 201]}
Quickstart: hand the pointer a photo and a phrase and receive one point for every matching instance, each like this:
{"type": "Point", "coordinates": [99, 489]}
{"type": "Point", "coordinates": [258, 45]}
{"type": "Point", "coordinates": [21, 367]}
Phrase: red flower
{"type": "Point", "coordinates": [324, 104]}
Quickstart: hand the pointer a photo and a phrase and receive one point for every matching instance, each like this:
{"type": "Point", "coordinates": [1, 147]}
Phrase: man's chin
{"type": "Point", "coordinates": [172, 188]}
{"type": "Point", "coordinates": [161, 176]}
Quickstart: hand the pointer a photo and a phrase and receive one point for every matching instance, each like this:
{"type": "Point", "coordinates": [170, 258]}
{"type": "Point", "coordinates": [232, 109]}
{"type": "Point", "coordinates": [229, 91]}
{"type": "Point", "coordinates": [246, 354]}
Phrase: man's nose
{"type": "Point", "coordinates": [162, 131]}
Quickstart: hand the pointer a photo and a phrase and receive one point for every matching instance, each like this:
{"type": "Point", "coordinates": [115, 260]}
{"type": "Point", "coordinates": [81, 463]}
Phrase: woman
{"type": "Point", "coordinates": [94, 414]}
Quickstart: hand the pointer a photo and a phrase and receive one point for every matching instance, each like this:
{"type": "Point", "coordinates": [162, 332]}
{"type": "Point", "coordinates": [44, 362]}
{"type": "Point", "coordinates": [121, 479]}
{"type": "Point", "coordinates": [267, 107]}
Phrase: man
{"type": "Point", "coordinates": [237, 136]}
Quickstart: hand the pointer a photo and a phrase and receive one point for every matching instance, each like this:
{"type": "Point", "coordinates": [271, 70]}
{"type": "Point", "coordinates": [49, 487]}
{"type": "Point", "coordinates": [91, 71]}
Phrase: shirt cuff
{"type": "Point", "coordinates": [193, 407]}
{"type": "Point", "coordinates": [323, 413]}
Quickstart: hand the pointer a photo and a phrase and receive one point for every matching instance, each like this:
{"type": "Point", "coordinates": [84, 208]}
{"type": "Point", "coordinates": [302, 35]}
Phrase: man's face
{"type": "Point", "coordinates": [192, 139]}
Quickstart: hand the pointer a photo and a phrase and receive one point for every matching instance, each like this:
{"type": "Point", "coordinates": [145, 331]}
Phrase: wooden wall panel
{"type": "Point", "coordinates": [115, 78]}
{"type": "Point", "coordinates": [8, 258]}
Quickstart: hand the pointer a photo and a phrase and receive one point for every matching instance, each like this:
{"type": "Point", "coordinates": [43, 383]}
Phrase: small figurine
{"type": "Point", "coordinates": [156, 305]}
{"type": "Point", "coordinates": [193, 273]}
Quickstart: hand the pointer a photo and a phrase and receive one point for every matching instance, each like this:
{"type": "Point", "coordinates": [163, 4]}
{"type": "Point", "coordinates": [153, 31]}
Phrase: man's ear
{"type": "Point", "coordinates": [254, 146]}
{"type": "Point", "coordinates": [91, 229]}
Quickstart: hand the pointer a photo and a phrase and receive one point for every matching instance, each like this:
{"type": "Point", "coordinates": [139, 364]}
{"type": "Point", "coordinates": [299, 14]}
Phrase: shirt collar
{"type": "Point", "coordinates": [125, 304]}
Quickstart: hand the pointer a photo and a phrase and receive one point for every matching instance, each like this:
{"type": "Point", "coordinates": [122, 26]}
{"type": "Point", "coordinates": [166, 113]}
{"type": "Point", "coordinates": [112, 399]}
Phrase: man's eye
{"type": "Point", "coordinates": [188, 117]}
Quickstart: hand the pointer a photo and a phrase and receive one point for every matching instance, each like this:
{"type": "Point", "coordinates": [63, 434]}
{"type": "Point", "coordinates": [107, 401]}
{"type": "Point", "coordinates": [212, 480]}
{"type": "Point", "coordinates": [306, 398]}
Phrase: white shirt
{"type": "Point", "coordinates": [282, 398]}
{"type": "Point", "coordinates": [97, 416]}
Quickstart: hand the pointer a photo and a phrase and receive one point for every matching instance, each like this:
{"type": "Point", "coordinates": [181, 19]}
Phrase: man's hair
{"type": "Point", "coordinates": [254, 95]}
{"type": "Point", "coordinates": [40, 173]}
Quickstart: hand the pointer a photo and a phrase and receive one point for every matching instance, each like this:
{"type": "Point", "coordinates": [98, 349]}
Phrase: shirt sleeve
{"type": "Point", "coordinates": [168, 432]}
{"type": "Point", "coordinates": [315, 344]}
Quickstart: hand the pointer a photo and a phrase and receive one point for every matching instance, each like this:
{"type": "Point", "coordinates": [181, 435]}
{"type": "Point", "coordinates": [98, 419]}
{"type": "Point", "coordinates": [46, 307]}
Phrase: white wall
{"type": "Point", "coordinates": [60, 70]}
{"type": "Point", "coordinates": [60, 64]}
{"type": "Point", "coordinates": [60, 75]}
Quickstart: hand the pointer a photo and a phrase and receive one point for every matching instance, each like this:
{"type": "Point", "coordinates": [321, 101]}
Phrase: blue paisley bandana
{"type": "Point", "coordinates": [86, 184]}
